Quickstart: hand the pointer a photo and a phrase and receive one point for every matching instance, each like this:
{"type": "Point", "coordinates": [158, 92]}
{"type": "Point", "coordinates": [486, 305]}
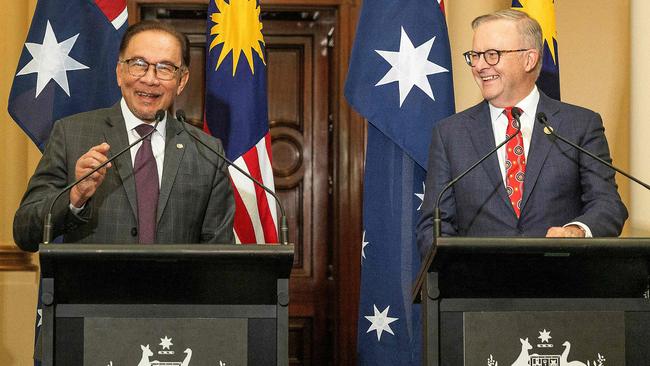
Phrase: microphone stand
{"type": "Point", "coordinates": [541, 117]}
{"type": "Point", "coordinates": [437, 222]}
{"type": "Point", "coordinates": [283, 227]}
{"type": "Point", "coordinates": [47, 225]}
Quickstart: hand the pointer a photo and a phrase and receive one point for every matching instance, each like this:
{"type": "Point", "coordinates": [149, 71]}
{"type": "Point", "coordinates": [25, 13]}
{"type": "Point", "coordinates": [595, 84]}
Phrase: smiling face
{"type": "Point", "coordinates": [147, 94]}
{"type": "Point", "coordinates": [513, 78]}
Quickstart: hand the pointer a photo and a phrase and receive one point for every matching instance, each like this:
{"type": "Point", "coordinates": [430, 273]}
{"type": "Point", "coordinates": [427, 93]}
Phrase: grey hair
{"type": "Point", "coordinates": [528, 27]}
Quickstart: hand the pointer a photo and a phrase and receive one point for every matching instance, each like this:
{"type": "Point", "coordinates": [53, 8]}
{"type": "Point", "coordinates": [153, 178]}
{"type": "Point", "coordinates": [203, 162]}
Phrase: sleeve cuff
{"type": "Point", "coordinates": [76, 210]}
{"type": "Point", "coordinates": [584, 227]}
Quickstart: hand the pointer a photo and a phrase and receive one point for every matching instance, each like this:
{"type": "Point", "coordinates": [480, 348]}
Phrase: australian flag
{"type": "Point", "coordinates": [544, 12]}
{"type": "Point", "coordinates": [67, 66]}
{"type": "Point", "coordinates": [400, 80]}
{"type": "Point", "coordinates": [68, 63]}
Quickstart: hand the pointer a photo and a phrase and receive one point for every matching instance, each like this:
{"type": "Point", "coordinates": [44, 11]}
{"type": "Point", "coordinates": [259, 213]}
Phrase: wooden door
{"type": "Point", "coordinates": [298, 56]}
{"type": "Point", "coordinates": [297, 49]}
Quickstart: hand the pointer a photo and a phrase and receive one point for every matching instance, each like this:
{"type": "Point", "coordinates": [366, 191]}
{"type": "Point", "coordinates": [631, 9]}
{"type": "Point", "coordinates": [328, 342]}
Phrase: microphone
{"type": "Point", "coordinates": [47, 226]}
{"type": "Point", "coordinates": [548, 130]}
{"type": "Point", "coordinates": [516, 113]}
{"type": "Point", "coordinates": [419, 282]}
{"type": "Point", "coordinates": [284, 228]}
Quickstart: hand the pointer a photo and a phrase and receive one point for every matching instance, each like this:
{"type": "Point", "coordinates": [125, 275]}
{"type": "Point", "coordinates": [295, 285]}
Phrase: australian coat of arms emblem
{"type": "Point", "coordinates": [545, 354]}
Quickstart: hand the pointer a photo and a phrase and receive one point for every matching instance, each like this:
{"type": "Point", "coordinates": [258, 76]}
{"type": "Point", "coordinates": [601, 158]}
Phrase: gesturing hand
{"type": "Point", "coordinates": [80, 193]}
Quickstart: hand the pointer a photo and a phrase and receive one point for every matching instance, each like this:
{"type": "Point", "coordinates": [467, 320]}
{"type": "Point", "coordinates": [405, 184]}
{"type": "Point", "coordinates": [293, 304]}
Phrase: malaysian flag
{"type": "Point", "coordinates": [544, 12]}
{"type": "Point", "coordinates": [236, 111]}
{"type": "Point", "coordinates": [400, 81]}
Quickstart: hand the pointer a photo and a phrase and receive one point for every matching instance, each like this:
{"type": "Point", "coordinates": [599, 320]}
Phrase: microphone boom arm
{"type": "Point", "coordinates": [542, 119]}
{"type": "Point", "coordinates": [47, 225]}
{"type": "Point", "coordinates": [284, 228]}
{"type": "Point", "coordinates": [516, 113]}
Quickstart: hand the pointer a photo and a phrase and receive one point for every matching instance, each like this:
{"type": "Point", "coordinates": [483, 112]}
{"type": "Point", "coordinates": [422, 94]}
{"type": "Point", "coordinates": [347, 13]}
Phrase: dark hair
{"type": "Point", "coordinates": [152, 25]}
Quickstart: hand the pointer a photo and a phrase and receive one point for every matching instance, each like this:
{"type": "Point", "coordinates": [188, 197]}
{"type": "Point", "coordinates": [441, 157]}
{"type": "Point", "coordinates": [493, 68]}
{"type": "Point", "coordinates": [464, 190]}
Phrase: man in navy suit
{"type": "Point", "coordinates": [557, 191]}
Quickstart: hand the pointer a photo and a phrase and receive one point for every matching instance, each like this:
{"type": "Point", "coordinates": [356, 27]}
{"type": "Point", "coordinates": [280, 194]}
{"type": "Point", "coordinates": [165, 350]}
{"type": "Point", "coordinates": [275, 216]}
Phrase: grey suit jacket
{"type": "Point", "coordinates": [196, 203]}
{"type": "Point", "coordinates": [561, 184]}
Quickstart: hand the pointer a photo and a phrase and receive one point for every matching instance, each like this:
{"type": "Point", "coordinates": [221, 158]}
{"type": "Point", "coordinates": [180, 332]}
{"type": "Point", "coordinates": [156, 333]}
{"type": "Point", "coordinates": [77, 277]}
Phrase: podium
{"type": "Point", "coordinates": [535, 301]}
{"type": "Point", "coordinates": [158, 305]}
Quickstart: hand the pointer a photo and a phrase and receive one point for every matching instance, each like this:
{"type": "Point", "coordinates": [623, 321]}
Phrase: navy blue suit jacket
{"type": "Point", "coordinates": [561, 184]}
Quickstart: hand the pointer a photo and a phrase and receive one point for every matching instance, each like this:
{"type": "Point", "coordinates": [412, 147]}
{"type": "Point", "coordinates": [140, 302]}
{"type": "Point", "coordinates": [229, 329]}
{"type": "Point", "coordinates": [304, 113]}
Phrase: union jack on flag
{"type": "Point", "coordinates": [68, 63]}
{"type": "Point", "coordinates": [236, 111]}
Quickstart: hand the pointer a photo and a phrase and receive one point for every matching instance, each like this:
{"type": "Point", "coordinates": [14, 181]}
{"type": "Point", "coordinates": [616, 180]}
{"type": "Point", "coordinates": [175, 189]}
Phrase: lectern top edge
{"type": "Point", "coordinates": [569, 247]}
{"type": "Point", "coordinates": [187, 250]}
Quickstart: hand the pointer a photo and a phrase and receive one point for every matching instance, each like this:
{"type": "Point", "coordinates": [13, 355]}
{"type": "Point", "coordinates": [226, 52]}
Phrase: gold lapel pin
{"type": "Point", "coordinates": [179, 146]}
{"type": "Point", "coordinates": [548, 130]}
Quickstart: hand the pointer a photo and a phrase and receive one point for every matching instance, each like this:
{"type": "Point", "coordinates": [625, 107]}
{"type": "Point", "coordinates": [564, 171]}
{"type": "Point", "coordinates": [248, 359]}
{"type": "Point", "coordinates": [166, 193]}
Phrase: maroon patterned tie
{"type": "Point", "coordinates": [146, 185]}
{"type": "Point", "coordinates": [515, 164]}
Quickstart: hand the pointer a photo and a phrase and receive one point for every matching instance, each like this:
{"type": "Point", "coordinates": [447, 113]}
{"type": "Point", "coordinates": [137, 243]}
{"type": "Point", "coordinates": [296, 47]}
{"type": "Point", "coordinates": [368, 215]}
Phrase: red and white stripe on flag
{"type": "Point", "coordinates": [255, 209]}
{"type": "Point", "coordinates": [115, 11]}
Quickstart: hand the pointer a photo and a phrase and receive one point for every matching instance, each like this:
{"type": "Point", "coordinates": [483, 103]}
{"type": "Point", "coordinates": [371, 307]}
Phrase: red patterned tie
{"type": "Point", "coordinates": [515, 164]}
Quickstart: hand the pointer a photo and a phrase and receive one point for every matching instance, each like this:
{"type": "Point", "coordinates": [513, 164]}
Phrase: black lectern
{"type": "Point", "coordinates": [535, 302]}
{"type": "Point", "coordinates": [165, 304]}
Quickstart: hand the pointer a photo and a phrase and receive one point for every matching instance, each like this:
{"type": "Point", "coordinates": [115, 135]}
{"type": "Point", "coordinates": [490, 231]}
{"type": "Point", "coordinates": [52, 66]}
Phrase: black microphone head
{"type": "Point", "coordinates": [541, 118]}
{"type": "Point", "coordinates": [516, 112]}
{"type": "Point", "coordinates": [160, 115]}
{"type": "Point", "coordinates": [180, 115]}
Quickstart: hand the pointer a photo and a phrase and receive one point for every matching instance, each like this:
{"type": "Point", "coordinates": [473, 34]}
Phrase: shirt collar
{"type": "Point", "coordinates": [131, 121]}
{"type": "Point", "coordinates": [528, 105]}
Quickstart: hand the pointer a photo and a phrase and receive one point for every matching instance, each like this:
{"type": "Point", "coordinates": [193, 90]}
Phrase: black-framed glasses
{"type": "Point", "coordinates": [491, 57]}
{"type": "Point", "coordinates": [138, 67]}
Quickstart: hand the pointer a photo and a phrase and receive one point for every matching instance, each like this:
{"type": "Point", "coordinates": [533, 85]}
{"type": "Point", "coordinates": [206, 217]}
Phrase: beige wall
{"type": "Point", "coordinates": [640, 116]}
{"type": "Point", "coordinates": [18, 157]}
{"type": "Point", "coordinates": [18, 154]}
{"type": "Point", "coordinates": [17, 316]}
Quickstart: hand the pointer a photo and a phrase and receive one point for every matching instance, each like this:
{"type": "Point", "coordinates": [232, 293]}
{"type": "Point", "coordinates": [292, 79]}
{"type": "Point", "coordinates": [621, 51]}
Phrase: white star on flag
{"type": "Point", "coordinates": [50, 61]}
{"type": "Point", "coordinates": [421, 196]}
{"type": "Point", "coordinates": [39, 312]}
{"type": "Point", "coordinates": [380, 322]}
{"type": "Point", "coordinates": [410, 67]}
{"type": "Point", "coordinates": [364, 243]}
{"type": "Point", "coordinates": [545, 335]}
{"type": "Point", "coordinates": [166, 342]}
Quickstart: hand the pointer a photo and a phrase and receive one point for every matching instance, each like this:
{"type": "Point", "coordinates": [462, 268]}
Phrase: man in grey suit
{"type": "Point", "coordinates": [533, 186]}
{"type": "Point", "coordinates": [187, 187]}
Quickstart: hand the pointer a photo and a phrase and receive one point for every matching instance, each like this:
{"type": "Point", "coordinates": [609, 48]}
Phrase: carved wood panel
{"type": "Point", "coordinates": [298, 79]}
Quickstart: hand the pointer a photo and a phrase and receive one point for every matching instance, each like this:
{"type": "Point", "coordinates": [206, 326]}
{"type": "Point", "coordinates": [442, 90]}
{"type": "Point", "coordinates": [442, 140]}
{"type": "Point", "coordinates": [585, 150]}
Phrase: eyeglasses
{"type": "Point", "coordinates": [491, 57]}
{"type": "Point", "coordinates": [138, 67]}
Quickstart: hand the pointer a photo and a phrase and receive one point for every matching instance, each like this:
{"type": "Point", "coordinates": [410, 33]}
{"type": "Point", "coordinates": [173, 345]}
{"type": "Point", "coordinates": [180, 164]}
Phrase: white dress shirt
{"type": "Point", "coordinates": [157, 144]}
{"type": "Point", "coordinates": [157, 138]}
{"type": "Point", "coordinates": [528, 106]}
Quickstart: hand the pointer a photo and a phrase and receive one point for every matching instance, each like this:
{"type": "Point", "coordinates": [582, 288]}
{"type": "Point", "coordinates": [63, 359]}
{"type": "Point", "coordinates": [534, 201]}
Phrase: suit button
{"type": "Point", "coordinates": [134, 231]}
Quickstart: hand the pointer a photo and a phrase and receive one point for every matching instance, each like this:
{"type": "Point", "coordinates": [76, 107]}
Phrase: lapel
{"type": "Point", "coordinates": [482, 135]}
{"type": "Point", "coordinates": [540, 145]}
{"type": "Point", "coordinates": [175, 145]}
{"type": "Point", "coordinates": [115, 135]}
